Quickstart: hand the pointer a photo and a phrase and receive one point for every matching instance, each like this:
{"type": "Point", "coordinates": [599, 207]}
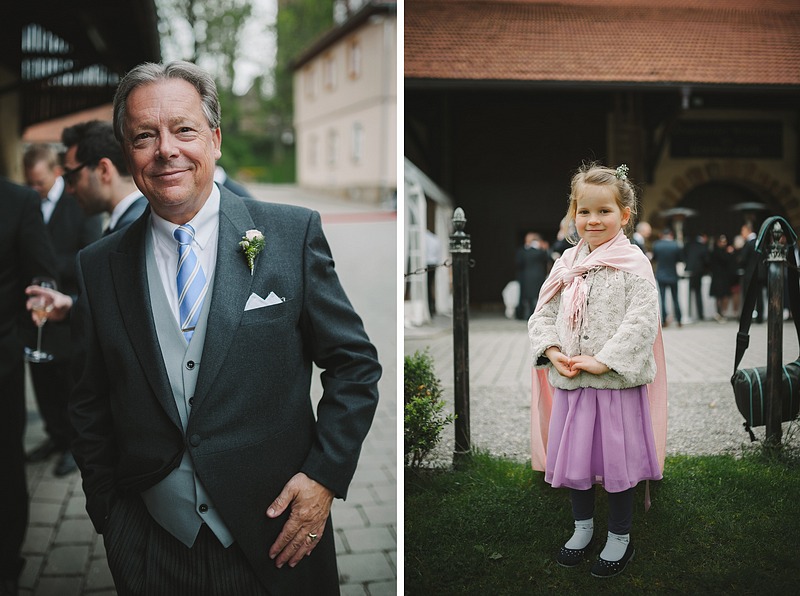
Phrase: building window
{"type": "Point", "coordinates": [329, 72]}
{"type": "Point", "coordinates": [354, 59]}
{"type": "Point", "coordinates": [309, 82]}
{"type": "Point", "coordinates": [358, 142]}
{"type": "Point", "coordinates": [333, 147]}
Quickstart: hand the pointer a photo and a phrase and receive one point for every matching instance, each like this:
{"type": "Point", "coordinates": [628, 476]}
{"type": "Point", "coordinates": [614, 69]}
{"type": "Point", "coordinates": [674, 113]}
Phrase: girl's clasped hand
{"type": "Point", "coordinates": [570, 366]}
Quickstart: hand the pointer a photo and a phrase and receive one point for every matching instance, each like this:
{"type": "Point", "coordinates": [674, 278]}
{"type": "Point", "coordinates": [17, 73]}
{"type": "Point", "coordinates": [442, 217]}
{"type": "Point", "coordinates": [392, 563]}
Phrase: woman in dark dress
{"type": "Point", "coordinates": [723, 270]}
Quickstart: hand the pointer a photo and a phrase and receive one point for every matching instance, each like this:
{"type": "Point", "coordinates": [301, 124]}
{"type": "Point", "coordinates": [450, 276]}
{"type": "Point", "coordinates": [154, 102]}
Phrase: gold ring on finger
{"type": "Point", "coordinates": [312, 536]}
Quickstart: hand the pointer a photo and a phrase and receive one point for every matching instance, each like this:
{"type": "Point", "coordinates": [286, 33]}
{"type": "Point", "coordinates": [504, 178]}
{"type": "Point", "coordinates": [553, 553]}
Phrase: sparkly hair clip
{"type": "Point", "coordinates": [622, 172]}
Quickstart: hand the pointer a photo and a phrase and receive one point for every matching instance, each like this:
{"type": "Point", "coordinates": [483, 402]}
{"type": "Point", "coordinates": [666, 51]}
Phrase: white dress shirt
{"type": "Point", "coordinates": [49, 202]}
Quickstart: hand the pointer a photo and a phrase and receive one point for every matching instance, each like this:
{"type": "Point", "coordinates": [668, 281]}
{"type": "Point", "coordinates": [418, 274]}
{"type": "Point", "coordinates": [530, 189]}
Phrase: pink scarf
{"type": "Point", "coordinates": [566, 277]}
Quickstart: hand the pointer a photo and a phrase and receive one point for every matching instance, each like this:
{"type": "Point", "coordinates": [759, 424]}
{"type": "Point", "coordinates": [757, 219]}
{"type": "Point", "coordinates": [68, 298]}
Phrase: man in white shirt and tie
{"type": "Point", "coordinates": [204, 464]}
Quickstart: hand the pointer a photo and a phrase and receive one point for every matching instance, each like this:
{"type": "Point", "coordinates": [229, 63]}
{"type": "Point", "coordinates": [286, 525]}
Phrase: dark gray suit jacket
{"type": "Point", "coordinates": [252, 425]}
{"type": "Point", "coordinates": [130, 215]}
{"type": "Point", "coordinates": [25, 251]}
{"type": "Point", "coordinates": [666, 255]}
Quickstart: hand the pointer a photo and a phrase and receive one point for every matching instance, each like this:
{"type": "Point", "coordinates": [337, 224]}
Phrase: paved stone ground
{"type": "Point", "coordinates": [65, 557]}
{"type": "Point", "coordinates": [703, 418]}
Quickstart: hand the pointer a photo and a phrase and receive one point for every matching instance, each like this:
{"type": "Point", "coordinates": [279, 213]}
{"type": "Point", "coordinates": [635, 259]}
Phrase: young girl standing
{"type": "Point", "coordinates": [599, 409]}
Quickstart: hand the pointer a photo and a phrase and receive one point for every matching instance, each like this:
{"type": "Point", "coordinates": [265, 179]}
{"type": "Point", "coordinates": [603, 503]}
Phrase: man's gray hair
{"type": "Point", "coordinates": [150, 72]}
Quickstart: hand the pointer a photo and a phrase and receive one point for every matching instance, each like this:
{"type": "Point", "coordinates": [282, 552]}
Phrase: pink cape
{"type": "Point", "coordinates": [620, 254]}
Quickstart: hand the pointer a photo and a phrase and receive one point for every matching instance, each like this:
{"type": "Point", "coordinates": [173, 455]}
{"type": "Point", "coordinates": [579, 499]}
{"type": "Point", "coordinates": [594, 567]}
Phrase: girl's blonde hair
{"type": "Point", "coordinates": [594, 174]}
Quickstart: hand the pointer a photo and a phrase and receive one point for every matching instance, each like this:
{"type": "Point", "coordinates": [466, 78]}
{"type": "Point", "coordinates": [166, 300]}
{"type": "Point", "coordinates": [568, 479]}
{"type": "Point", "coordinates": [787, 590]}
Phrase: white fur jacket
{"type": "Point", "coordinates": [619, 328]}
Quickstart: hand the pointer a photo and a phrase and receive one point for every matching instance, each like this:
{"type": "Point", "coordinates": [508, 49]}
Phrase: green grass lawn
{"type": "Point", "coordinates": [717, 525]}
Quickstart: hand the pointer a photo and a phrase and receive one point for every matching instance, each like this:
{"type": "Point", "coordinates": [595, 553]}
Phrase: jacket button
{"type": "Point", "coordinates": [194, 440]}
{"type": "Point", "coordinates": [191, 401]}
{"type": "Point", "coordinates": [190, 364]}
{"type": "Point", "coordinates": [203, 508]}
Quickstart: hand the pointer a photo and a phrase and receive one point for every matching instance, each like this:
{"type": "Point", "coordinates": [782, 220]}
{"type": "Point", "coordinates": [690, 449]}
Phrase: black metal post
{"type": "Point", "coordinates": [776, 260]}
{"type": "Point", "coordinates": [460, 250]}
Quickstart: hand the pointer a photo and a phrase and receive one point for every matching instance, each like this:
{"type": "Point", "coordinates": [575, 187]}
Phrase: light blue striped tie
{"type": "Point", "coordinates": [191, 281]}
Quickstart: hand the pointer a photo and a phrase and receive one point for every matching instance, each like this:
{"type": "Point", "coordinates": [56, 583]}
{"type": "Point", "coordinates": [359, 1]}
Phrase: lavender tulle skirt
{"type": "Point", "coordinates": [601, 436]}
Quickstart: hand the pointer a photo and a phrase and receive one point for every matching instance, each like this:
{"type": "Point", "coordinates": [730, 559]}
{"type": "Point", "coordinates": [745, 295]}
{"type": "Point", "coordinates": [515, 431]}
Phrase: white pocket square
{"type": "Point", "coordinates": [256, 301]}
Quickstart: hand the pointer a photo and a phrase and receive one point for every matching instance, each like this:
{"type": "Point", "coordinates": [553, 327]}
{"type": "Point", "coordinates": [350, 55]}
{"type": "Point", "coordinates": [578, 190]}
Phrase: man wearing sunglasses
{"type": "Point", "coordinates": [96, 173]}
{"type": "Point", "coordinates": [69, 230]}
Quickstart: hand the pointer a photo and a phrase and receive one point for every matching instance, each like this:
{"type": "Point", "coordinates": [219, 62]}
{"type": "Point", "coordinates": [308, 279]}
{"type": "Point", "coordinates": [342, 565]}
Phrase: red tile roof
{"type": "Point", "coordinates": [749, 42]}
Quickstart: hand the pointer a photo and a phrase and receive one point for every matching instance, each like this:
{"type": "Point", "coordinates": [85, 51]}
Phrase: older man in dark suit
{"type": "Point", "coordinates": [203, 463]}
{"type": "Point", "coordinates": [25, 252]}
{"type": "Point", "coordinates": [69, 230]}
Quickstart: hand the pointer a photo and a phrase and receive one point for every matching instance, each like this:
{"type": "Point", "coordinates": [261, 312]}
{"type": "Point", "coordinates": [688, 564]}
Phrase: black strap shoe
{"type": "Point", "coordinates": [570, 557]}
{"type": "Point", "coordinates": [603, 568]}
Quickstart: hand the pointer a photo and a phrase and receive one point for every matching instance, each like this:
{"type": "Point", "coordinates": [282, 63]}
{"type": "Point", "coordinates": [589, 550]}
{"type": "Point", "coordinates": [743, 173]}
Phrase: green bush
{"type": "Point", "coordinates": [423, 421]}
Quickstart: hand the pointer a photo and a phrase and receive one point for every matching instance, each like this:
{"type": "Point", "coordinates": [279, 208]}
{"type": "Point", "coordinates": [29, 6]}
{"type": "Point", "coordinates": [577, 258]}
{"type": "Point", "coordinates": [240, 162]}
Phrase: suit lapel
{"type": "Point", "coordinates": [55, 225]}
{"type": "Point", "coordinates": [132, 213]}
{"type": "Point", "coordinates": [232, 283]}
{"type": "Point", "coordinates": [129, 275]}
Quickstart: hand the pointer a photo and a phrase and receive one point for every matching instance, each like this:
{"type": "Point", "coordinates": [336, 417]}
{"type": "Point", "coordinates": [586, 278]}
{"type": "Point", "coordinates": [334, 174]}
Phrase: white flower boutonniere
{"type": "Point", "coordinates": [252, 243]}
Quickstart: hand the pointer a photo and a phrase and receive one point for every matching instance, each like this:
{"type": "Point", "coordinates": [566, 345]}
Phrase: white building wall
{"type": "Point", "coordinates": [337, 95]}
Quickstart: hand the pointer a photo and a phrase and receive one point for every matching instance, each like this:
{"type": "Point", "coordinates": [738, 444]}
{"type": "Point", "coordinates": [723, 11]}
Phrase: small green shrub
{"type": "Point", "coordinates": [423, 421]}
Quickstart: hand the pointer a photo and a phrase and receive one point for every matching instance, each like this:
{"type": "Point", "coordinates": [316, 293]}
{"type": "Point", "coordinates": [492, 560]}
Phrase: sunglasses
{"type": "Point", "coordinates": [71, 174]}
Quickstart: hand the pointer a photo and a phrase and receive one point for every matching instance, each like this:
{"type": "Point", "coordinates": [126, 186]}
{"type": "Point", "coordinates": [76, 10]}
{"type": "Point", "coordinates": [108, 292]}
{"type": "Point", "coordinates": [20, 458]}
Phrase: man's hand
{"type": "Point", "coordinates": [61, 303]}
{"type": "Point", "coordinates": [310, 504]}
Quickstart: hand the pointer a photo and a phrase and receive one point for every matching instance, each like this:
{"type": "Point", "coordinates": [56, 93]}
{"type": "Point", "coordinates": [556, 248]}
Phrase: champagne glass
{"type": "Point", "coordinates": [41, 306]}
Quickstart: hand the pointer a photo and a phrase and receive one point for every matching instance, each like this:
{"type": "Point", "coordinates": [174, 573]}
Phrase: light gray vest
{"type": "Point", "coordinates": [180, 503]}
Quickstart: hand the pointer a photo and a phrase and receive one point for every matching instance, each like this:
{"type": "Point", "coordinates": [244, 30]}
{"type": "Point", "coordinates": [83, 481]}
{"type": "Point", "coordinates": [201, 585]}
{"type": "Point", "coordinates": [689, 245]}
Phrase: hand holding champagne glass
{"type": "Point", "coordinates": [60, 304]}
{"type": "Point", "coordinates": [41, 307]}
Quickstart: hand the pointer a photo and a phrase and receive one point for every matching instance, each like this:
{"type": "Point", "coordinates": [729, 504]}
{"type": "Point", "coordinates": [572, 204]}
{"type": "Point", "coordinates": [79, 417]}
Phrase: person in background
{"type": "Point", "coordinates": [697, 262]}
{"type": "Point", "coordinates": [746, 255]}
{"type": "Point", "coordinates": [563, 236]}
{"type": "Point", "coordinates": [221, 177]}
{"type": "Point", "coordinates": [666, 256]}
{"type": "Point", "coordinates": [205, 465]}
{"type": "Point", "coordinates": [723, 275]}
{"type": "Point", "coordinates": [69, 231]}
{"type": "Point", "coordinates": [641, 237]}
{"type": "Point", "coordinates": [599, 392]}
{"type": "Point", "coordinates": [736, 291]}
{"type": "Point", "coordinates": [96, 173]}
{"type": "Point", "coordinates": [25, 253]}
{"type": "Point", "coordinates": [433, 259]}
{"type": "Point", "coordinates": [533, 262]}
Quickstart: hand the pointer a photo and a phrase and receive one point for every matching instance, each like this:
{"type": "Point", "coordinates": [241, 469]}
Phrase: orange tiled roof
{"type": "Point", "coordinates": [749, 42]}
